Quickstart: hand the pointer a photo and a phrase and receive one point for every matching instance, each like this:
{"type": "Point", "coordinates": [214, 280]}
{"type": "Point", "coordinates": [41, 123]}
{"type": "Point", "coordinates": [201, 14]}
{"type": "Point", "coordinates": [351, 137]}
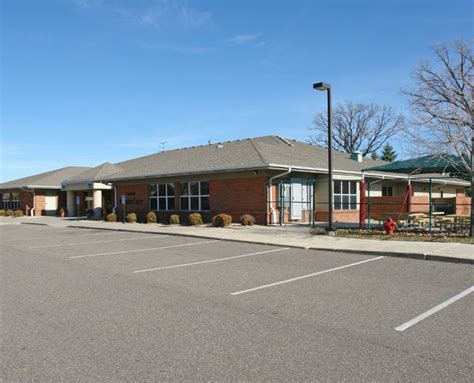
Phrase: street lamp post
{"type": "Point", "coordinates": [322, 87]}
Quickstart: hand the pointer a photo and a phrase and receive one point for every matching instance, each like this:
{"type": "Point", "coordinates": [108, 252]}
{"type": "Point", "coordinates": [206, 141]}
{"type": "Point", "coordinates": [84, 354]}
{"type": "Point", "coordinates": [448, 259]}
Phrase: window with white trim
{"type": "Point", "coordinates": [162, 197]}
{"type": "Point", "coordinates": [11, 201]}
{"type": "Point", "coordinates": [345, 195]}
{"type": "Point", "coordinates": [387, 191]}
{"type": "Point", "coordinates": [194, 196]}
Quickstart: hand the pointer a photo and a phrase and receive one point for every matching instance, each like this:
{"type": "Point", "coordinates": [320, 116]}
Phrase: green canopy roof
{"type": "Point", "coordinates": [422, 165]}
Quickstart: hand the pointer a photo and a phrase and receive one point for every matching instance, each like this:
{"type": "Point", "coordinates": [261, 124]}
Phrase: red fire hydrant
{"type": "Point", "coordinates": [389, 226]}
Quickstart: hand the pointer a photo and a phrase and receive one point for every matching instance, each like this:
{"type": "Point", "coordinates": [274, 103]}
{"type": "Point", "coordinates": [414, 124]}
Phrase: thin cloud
{"type": "Point", "coordinates": [159, 14]}
{"type": "Point", "coordinates": [176, 48]}
{"type": "Point", "coordinates": [245, 39]}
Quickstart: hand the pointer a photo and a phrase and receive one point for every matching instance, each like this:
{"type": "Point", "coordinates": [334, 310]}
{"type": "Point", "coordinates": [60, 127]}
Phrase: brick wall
{"type": "Point", "coordinates": [338, 216]}
{"type": "Point", "coordinates": [26, 198]}
{"type": "Point", "coordinates": [40, 203]}
{"type": "Point", "coordinates": [383, 205]}
{"type": "Point", "coordinates": [238, 196]}
{"type": "Point", "coordinates": [136, 197]}
{"type": "Point", "coordinates": [463, 204]}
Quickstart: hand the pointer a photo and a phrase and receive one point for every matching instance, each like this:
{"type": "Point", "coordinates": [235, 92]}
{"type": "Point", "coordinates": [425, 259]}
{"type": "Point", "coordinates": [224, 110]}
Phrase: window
{"type": "Point", "coordinates": [194, 196]}
{"type": "Point", "coordinates": [162, 197]}
{"type": "Point", "coordinates": [387, 191]}
{"type": "Point", "coordinates": [11, 201]}
{"type": "Point", "coordinates": [345, 195]}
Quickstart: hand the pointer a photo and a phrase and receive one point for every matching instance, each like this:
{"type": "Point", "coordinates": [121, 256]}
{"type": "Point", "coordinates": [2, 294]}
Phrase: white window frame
{"type": "Point", "coordinates": [190, 196]}
{"type": "Point", "coordinates": [340, 205]}
{"type": "Point", "coordinates": [10, 203]}
{"type": "Point", "coordinates": [166, 197]}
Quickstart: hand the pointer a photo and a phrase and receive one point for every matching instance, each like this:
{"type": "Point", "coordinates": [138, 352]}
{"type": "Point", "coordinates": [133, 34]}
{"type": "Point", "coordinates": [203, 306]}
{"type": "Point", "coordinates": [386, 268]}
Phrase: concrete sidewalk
{"type": "Point", "coordinates": [298, 237]}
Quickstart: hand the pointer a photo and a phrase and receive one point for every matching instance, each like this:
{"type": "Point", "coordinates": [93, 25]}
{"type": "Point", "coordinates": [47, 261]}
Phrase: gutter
{"type": "Point", "coordinates": [270, 200]}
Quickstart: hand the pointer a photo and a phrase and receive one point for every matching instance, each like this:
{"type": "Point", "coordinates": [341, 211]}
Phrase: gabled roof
{"type": "Point", "coordinates": [48, 180]}
{"type": "Point", "coordinates": [96, 174]}
{"type": "Point", "coordinates": [247, 154]}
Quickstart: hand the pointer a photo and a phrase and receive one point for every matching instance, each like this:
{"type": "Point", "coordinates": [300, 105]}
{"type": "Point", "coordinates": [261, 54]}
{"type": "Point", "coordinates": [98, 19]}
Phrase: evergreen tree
{"type": "Point", "coordinates": [388, 153]}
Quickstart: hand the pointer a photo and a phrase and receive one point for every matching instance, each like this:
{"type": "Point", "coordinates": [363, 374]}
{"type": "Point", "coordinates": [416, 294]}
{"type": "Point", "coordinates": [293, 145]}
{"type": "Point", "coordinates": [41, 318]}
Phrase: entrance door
{"type": "Point", "coordinates": [50, 203]}
{"type": "Point", "coordinates": [296, 199]}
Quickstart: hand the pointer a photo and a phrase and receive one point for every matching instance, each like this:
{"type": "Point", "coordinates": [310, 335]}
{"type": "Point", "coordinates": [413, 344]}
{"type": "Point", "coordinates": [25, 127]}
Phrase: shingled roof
{"type": "Point", "coordinates": [96, 174]}
{"type": "Point", "coordinates": [247, 154]}
{"type": "Point", "coordinates": [48, 180]}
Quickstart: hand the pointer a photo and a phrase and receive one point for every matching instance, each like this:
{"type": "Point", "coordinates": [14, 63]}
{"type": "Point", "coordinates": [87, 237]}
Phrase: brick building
{"type": "Point", "coordinates": [39, 194]}
{"type": "Point", "coordinates": [269, 177]}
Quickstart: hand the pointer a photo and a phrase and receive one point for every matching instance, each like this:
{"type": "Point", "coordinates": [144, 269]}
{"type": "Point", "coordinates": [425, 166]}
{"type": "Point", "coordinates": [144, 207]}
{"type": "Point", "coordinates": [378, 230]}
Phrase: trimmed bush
{"type": "Point", "coordinates": [174, 219]}
{"type": "Point", "coordinates": [195, 219]}
{"type": "Point", "coordinates": [151, 217]}
{"type": "Point", "coordinates": [247, 220]}
{"type": "Point", "coordinates": [18, 213]}
{"type": "Point", "coordinates": [221, 220]}
{"type": "Point", "coordinates": [9, 213]}
{"type": "Point", "coordinates": [131, 218]}
{"type": "Point", "coordinates": [112, 217]}
{"type": "Point", "coordinates": [2, 212]}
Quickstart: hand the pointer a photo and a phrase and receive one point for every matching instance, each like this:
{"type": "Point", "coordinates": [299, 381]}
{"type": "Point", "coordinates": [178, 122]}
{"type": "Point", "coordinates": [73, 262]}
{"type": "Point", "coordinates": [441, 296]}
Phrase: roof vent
{"type": "Point", "coordinates": [286, 141]}
{"type": "Point", "coordinates": [356, 156]}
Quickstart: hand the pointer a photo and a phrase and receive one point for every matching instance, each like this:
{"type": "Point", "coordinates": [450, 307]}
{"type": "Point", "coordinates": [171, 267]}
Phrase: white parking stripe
{"type": "Point", "coordinates": [304, 276]}
{"type": "Point", "coordinates": [211, 260]}
{"type": "Point", "coordinates": [57, 236]}
{"type": "Point", "coordinates": [434, 310]}
{"type": "Point", "coordinates": [89, 243]}
{"type": "Point", "coordinates": [140, 250]}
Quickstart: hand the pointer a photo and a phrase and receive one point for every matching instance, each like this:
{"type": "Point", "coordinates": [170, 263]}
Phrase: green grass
{"type": "Point", "coordinates": [400, 236]}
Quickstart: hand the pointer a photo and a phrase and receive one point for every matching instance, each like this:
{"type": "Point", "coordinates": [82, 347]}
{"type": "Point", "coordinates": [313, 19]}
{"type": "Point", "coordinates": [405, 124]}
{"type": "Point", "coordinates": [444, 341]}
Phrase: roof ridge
{"type": "Point", "coordinates": [258, 152]}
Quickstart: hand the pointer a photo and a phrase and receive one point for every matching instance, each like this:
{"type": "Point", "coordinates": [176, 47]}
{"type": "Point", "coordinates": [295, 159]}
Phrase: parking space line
{"type": "Point", "coordinates": [304, 276]}
{"type": "Point", "coordinates": [92, 242]}
{"type": "Point", "coordinates": [211, 260]}
{"type": "Point", "coordinates": [56, 236]}
{"type": "Point", "coordinates": [434, 310]}
{"type": "Point", "coordinates": [141, 250]}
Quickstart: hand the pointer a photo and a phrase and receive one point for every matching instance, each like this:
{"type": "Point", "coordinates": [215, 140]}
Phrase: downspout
{"type": "Point", "coordinates": [33, 209]}
{"type": "Point", "coordinates": [270, 199]}
{"type": "Point", "coordinates": [115, 198]}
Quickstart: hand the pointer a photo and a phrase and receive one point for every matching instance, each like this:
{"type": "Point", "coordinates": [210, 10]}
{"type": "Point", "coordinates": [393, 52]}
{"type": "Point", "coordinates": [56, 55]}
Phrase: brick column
{"type": "Point", "coordinates": [409, 195]}
{"type": "Point", "coordinates": [362, 205]}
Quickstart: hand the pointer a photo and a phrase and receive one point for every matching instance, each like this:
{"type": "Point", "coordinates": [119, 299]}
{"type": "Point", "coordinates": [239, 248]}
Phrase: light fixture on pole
{"type": "Point", "coordinates": [322, 86]}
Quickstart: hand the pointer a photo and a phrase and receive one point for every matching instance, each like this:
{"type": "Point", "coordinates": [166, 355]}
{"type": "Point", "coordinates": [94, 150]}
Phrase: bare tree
{"type": "Point", "coordinates": [442, 104]}
{"type": "Point", "coordinates": [357, 127]}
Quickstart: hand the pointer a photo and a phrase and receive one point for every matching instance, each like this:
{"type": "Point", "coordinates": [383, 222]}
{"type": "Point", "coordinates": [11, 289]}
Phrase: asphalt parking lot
{"type": "Point", "coordinates": [90, 305]}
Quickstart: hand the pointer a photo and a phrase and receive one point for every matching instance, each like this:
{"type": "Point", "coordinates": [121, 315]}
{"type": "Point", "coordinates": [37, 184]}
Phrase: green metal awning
{"type": "Point", "coordinates": [421, 165]}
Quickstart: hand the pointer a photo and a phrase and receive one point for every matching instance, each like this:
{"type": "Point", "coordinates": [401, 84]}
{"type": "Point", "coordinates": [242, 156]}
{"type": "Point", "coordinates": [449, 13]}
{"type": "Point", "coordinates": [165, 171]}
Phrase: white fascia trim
{"type": "Point", "coordinates": [314, 170]}
{"type": "Point", "coordinates": [42, 187]}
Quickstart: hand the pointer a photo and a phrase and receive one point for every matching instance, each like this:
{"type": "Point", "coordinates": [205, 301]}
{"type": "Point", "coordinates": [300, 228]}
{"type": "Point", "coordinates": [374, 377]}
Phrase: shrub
{"type": "Point", "coordinates": [151, 217]}
{"type": "Point", "coordinates": [174, 219]}
{"type": "Point", "coordinates": [131, 218]}
{"type": "Point", "coordinates": [112, 217]}
{"type": "Point", "coordinates": [195, 219]}
{"type": "Point", "coordinates": [2, 212]}
{"type": "Point", "coordinates": [18, 213]}
{"type": "Point", "coordinates": [221, 220]}
{"type": "Point", "coordinates": [9, 213]}
{"type": "Point", "coordinates": [247, 220]}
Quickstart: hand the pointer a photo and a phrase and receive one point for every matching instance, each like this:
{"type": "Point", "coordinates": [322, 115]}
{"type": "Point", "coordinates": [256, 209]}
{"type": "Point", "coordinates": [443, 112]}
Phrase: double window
{"type": "Point", "coordinates": [11, 201]}
{"type": "Point", "coordinates": [194, 196]}
{"type": "Point", "coordinates": [345, 195]}
{"type": "Point", "coordinates": [162, 197]}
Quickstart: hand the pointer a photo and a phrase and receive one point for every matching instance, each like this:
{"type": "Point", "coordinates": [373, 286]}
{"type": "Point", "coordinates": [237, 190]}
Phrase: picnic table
{"type": "Point", "coordinates": [455, 221]}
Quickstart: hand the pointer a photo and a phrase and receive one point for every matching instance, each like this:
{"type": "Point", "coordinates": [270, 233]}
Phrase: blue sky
{"type": "Point", "coordinates": [89, 81]}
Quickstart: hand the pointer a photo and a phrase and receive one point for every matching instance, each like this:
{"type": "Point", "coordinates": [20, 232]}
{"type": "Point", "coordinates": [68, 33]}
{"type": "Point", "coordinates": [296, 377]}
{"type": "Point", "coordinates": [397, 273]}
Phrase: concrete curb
{"type": "Point", "coordinates": [418, 256]}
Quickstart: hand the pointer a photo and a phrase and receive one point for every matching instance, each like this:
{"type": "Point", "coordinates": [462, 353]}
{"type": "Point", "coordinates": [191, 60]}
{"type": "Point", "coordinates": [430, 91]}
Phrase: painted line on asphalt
{"type": "Point", "coordinates": [211, 260]}
{"type": "Point", "coordinates": [56, 236]}
{"type": "Point", "coordinates": [304, 276]}
{"type": "Point", "coordinates": [434, 310]}
{"type": "Point", "coordinates": [93, 242]}
{"type": "Point", "coordinates": [141, 250]}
